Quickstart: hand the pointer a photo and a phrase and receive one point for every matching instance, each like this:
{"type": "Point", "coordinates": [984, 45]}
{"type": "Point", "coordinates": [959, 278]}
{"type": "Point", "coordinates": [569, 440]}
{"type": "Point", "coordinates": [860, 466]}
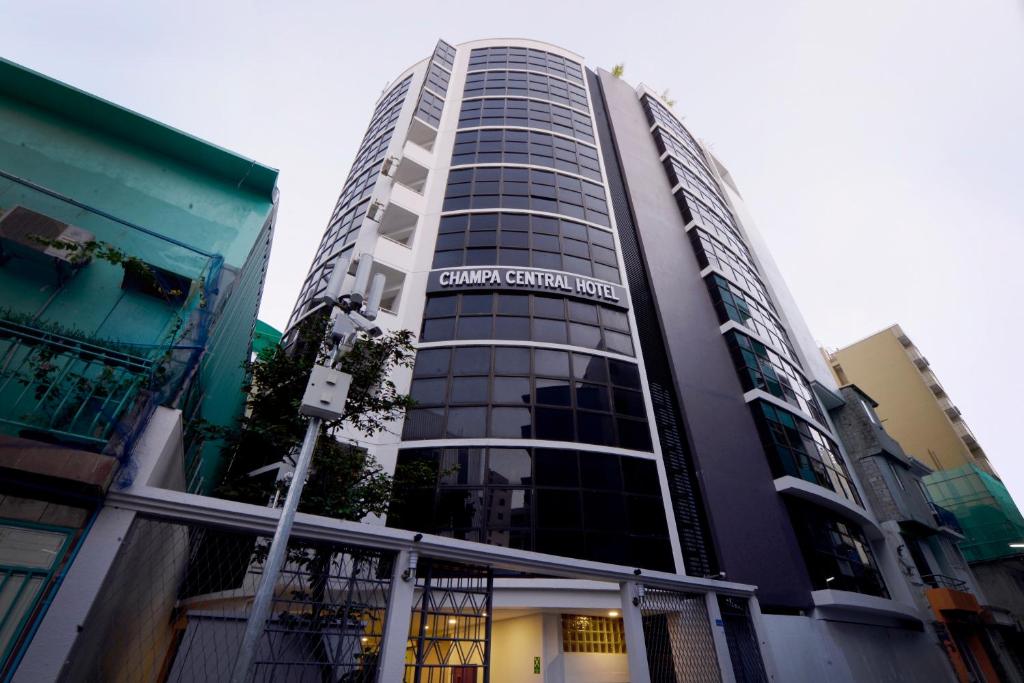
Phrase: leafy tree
{"type": "Point", "coordinates": [345, 482]}
{"type": "Point", "coordinates": [618, 70]}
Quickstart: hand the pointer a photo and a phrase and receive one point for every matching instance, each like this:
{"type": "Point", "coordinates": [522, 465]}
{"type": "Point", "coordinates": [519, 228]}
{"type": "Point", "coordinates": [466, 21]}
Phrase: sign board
{"type": "Point", "coordinates": [530, 280]}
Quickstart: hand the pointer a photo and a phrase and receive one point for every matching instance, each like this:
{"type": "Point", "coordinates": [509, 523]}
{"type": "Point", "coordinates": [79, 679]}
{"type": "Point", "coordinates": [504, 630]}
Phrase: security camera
{"type": "Point", "coordinates": [365, 325]}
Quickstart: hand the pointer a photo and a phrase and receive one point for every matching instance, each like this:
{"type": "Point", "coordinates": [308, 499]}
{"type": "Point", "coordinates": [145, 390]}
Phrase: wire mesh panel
{"type": "Point", "coordinates": [680, 647]}
{"type": "Point", "coordinates": [450, 631]}
{"type": "Point", "coordinates": [328, 615]}
{"type": "Point", "coordinates": [747, 664]}
{"type": "Point", "coordinates": [174, 606]}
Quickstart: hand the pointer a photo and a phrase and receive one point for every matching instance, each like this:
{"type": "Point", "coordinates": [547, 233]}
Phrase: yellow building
{"type": "Point", "coordinates": [916, 410]}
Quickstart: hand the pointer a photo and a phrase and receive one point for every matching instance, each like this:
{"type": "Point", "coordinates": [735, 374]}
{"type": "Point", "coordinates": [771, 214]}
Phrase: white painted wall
{"type": "Point", "coordinates": [514, 644]}
{"type": "Point", "coordinates": [596, 668]}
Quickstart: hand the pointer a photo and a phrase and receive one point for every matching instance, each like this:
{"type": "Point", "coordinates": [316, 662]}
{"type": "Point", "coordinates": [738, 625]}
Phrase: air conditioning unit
{"type": "Point", "coordinates": [29, 234]}
{"type": "Point", "coordinates": [389, 166]}
{"type": "Point", "coordinates": [375, 210]}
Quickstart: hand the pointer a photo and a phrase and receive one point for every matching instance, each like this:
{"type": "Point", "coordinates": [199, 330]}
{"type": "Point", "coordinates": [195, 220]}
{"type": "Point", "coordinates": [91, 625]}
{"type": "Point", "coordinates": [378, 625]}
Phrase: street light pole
{"type": "Point", "coordinates": [325, 397]}
{"type": "Point", "coordinates": [264, 598]}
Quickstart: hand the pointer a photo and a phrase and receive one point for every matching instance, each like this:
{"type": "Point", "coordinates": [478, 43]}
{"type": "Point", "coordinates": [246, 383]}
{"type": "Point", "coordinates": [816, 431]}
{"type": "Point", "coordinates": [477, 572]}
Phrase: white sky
{"type": "Point", "coordinates": [878, 143]}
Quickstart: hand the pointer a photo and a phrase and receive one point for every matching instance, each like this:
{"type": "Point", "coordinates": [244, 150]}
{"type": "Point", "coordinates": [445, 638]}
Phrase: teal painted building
{"type": "Point", "coordinates": [132, 262]}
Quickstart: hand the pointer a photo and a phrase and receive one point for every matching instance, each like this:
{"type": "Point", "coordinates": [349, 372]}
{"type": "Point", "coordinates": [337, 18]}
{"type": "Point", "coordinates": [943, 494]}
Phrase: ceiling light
{"type": "Point", "coordinates": [452, 620]}
{"type": "Point", "coordinates": [613, 613]}
{"type": "Point", "coordinates": [1017, 545]}
{"type": "Point", "coordinates": [830, 579]}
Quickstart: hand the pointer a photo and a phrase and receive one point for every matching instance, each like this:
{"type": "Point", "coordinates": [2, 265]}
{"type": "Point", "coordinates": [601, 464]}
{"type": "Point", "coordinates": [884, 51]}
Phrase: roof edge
{"type": "Point", "coordinates": [24, 84]}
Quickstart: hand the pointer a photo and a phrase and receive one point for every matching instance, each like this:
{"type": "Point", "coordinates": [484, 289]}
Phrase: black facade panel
{"type": "Point", "coordinates": [719, 469]}
{"type": "Point", "coordinates": [694, 538]}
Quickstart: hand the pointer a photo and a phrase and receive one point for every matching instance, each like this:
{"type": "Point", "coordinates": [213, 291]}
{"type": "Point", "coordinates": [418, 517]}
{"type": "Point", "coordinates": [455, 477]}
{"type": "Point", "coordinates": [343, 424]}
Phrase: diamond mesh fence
{"type": "Point", "coordinates": [174, 605]}
{"type": "Point", "coordinates": [680, 647]}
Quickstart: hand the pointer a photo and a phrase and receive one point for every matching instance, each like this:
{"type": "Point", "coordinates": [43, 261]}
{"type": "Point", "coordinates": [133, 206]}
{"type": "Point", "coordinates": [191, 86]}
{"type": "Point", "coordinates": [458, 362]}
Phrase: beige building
{"type": "Point", "coordinates": [911, 401]}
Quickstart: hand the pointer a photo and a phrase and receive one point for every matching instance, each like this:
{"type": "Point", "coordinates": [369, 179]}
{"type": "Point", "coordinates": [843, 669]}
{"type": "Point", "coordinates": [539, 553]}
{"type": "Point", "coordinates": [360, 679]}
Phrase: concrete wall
{"type": "Point", "coordinates": [1003, 583]}
{"type": "Point", "coordinates": [818, 651]}
{"type": "Point", "coordinates": [881, 367]}
{"type": "Point", "coordinates": [514, 643]}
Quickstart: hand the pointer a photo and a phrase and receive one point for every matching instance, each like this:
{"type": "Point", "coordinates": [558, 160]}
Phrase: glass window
{"type": "Point", "coordinates": [469, 390]}
{"type": "Point", "coordinates": [542, 503]}
{"type": "Point", "coordinates": [471, 360]}
{"type": "Point", "coordinates": [430, 362]}
{"type": "Point", "coordinates": [466, 423]}
{"type": "Point", "coordinates": [510, 466]}
{"type": "Point", "coordinates": [429, 391]}
{"type": "Point", "coordinates": [551, 331]}
{"type": "Point", "coordinates": [595, 428]}
{"type": "Point", "coordinates": [640, 476]}
{"type": "Point", "coordinates": [473, 328]}
{"type": "Point", "coordinates": [549, 362]}
{"type": "Point", "coordinates": [512, 360]}
{"type": "Point", "coordinates": [553, 392]}
{"type": "Point", "coordinates": [554, 424]}
{"type": "Point", "coordinates": [511, 423]}
{"type": "Point", "coordinates": [511, 390]}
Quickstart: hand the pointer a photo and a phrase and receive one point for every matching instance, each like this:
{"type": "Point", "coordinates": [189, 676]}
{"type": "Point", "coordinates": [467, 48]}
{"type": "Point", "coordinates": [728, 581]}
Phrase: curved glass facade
{"type": "Point", "coordinates": [540, 379]}
{"type": "Point", "coordinates": [539, 420]}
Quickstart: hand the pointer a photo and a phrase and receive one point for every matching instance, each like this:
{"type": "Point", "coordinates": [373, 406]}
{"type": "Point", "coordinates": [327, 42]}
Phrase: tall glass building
{"type": "Point", "coordinates": [609, 365]}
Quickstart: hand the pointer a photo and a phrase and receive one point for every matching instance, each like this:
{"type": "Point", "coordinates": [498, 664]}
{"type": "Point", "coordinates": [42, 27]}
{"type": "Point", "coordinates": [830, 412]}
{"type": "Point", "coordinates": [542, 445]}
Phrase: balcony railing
{"type": "Point", "coordinates": [88, 348]}
{"type": "Point", "coordinates": [942, 581]}
{"type": "Point", "coordinates": [56, 388]}
{"type": "Point", "coordinates": [944, 517]}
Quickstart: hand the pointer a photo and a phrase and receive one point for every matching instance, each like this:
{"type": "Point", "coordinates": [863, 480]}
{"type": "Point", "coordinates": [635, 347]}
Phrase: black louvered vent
{"type": "Point", "coordinates": [694, 537]}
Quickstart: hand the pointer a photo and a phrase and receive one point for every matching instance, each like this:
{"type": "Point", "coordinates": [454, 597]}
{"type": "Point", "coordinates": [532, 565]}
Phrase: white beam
{"type": "Point", "coordinates": [717, 626]}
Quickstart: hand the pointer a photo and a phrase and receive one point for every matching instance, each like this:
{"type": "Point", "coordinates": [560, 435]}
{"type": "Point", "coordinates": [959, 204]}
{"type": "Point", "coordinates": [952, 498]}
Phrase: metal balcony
{"type": "Point", "coordinates": [56, 388]}
{"type": "Point", "coordinates": [918, 359]}
{"type": "Point", "coordinates": [965, 433]}
{"type": "Point", "coordinates": [933, 383]}
{"type": "Point", "coordinates": [942, 581]}
{"type": "Point", "coordinates": [952, 412]}
{"type": "Point", "coordinates": [945, 518]}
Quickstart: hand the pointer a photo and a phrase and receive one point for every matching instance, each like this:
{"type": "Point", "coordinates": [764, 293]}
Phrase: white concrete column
{"type": "Point", "coordinates": [636, 645]}
{"type": "Point", "coordinates": [394, 640]}
{"type": "Point", "coordinates": [717, 626]}
{"type": "Point", "coordinates": [51, 646]}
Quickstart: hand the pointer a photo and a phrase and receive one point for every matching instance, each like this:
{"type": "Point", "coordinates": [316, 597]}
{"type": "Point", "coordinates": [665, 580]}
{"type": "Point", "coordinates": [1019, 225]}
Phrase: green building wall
{"type": "Point", "coordinates": [178, 203]}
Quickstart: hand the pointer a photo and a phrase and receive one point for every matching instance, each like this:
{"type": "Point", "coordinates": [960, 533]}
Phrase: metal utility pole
{"type": "Point", "coordinates": [324, 399]}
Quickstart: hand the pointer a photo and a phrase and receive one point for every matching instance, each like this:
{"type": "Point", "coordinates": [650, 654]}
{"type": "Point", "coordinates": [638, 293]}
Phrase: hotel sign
{"type": "Point", "coordinates": [527, 279]}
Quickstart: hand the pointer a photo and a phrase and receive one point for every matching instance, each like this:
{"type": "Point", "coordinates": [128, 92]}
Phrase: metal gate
{"type": "Point", "coordinates": [450, 630]}
{"type": "Point", "coordinates": [680, 647]}
{"type": "Point", "coordinates": [747, 665]}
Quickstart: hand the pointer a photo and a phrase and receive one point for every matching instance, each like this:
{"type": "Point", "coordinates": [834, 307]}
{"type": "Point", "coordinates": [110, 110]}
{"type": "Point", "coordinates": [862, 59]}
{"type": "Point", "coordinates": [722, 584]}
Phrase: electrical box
{"type": "Point", "coordinates": [326, 393]}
